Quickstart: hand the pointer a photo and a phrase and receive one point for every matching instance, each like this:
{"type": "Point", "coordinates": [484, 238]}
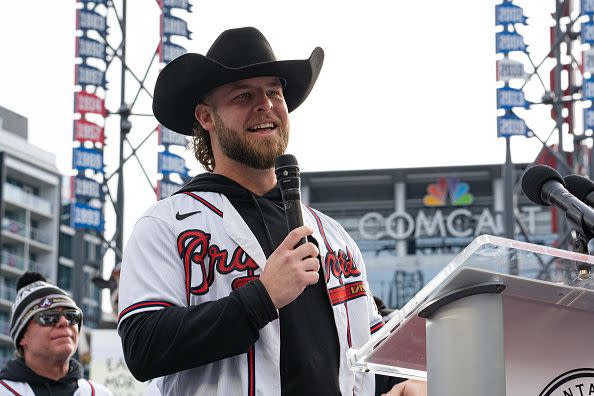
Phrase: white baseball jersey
{"type": "Point", "coordinates": [175, 258]}
{"type": "Point", "coordinates": [85, 388]}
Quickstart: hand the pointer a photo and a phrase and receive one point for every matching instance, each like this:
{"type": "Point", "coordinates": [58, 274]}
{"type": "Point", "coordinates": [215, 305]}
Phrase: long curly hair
{"type": "Point", "coordinates": [202, 147]}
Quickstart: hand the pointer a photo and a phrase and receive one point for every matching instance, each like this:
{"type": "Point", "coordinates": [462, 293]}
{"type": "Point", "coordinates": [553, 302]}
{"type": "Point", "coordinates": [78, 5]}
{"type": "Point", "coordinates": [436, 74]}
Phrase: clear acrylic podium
{"type": "Point", "coordinates": [477, 330]}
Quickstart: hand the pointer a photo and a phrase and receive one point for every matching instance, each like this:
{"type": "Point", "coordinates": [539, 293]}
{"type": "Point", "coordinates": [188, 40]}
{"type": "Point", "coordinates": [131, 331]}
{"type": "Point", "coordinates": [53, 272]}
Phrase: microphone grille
{"type": "Point", "coordinates": [579, 186]}
{"type": "Point", "coordinates": [535, 178]}
{"type": "Point", "coordinates": [282, 161]}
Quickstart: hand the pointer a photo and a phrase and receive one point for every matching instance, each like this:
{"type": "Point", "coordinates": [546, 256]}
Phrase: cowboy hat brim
{"type": "Point", "coordinates": [186, 80]}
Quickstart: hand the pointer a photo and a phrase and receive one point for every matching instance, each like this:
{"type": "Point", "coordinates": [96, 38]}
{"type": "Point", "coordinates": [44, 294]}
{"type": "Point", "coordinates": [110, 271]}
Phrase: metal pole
{"type": "Point", "coordinates": [124, 129]}
{"type": "Point", "coordinates": [508, 192]}
{"type": "Point", "coordinates": [465, 350]}
{"type": "Point", "coordinates": [508, 203]}
{"type": "Point", "coordinates": [558, 104]}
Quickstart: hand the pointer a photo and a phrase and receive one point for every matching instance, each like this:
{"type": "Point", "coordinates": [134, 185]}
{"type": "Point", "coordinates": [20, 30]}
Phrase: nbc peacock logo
{"type": "Point", "coordinates": [458, 191]}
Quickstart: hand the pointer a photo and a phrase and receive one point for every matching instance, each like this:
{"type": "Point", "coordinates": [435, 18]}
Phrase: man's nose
{"type": "Point", "coordinates": [62, 321]}
{"type": "Point", "coordinates": [263, 102]}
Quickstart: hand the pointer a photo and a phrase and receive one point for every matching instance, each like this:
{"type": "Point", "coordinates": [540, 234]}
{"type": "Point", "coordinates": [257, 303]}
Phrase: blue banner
{"type": "Point", "coordinates": [104, 2]}
{"type": "Point", "coordinates": [84, 158]}
{"type": "Point", "coordinates": [170, 51]}
{"type": "Point", "coordinates": [89, 75]}
{"type": "Point", "coordinates": [509, 69]}
{"type": "Point", "coordinates": [171, 163]}
{"type": "Point", "coordinates": [587, 7]}
{"type": "Point", "coordinates": [509, 41]}
{"type": "Point", "coordinates": [506, 13]}
{"type": "Point", "coordinates": [511, 125]}
{"type": "Point", "coordinates": [168, 137]}
{"type": "Point", "coordinates": [510, 97]}
{"type": "Point", "coordinates": [175, 26]}
{"type": "Point", "coordinates": [89, 48]}
{"type": "Point", "coordinates": [84, 189]}
{"type": "Point", "coordinates": [587, 33]}
{"type": "Point", "coordinates": [588, 89]}
{"type": "Point", "coordinates": [165, 188]}
{"type": "Point", "coordinates": [91, 20]}
{"type": "Point", "coordinates": [182, 4]}
{"type": "Point", "coordinates": [86, 217]}
{"type": "Point", "coordinates": [589, 119]}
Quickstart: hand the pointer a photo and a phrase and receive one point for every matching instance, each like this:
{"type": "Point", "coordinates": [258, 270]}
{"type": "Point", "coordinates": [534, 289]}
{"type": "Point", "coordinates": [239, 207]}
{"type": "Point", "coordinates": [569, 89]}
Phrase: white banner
{"type": "Point", "coordinates": [108, 366]}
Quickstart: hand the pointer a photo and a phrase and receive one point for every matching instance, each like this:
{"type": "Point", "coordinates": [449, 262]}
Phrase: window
{"type": "Point", "coordinates": [65, 245]}
{"type": "Point", "coordinates": [65, 277]}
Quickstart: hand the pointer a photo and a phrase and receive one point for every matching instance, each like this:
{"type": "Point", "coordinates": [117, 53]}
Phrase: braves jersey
{"type": "Point", "coordinates": [193, 248]}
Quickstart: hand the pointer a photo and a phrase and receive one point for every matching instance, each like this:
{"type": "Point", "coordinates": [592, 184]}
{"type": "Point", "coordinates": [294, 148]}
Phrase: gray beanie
{"type": "Point", "coordinates": [32, 298]}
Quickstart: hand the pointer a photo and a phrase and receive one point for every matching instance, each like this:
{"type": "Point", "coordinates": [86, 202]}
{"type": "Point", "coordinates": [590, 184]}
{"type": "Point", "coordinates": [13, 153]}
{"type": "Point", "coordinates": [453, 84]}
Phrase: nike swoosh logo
{"type": "Point", "coordinates": [185, 215]}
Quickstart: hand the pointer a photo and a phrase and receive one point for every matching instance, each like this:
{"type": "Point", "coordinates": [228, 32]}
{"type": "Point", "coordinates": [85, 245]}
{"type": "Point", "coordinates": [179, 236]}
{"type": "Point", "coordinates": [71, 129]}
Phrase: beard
{"type": "Point", "coordinates": [258, 153]}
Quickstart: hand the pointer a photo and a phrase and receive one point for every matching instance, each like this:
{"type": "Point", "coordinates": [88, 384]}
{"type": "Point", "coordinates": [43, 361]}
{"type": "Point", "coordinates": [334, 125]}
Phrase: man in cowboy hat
{"type": "Point", "coordinates": [216, 295]}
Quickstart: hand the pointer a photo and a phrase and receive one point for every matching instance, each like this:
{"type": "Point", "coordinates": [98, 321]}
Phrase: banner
{"type": "Point", "coordinates": [506, 13]}
{"type": "Point", "coordinates": [166, 188]}
{"type": "Point", "coordinates": [168, 137]}
{"type": "Point", "coordinates": [85, 102]}
{"type": "Point", "coordinates": [84, 158]}
{"type": "Point", "coordinates": [509, 41]}
{"type": "Point", "coordinates": [508, 69]}
{"type": "Point", "coordinates": [508, 98]}
{"type": "Point", "coordinates": [182, 4]}
{"type": "Point", "coordinates": [89, 75]}
{"type": "Point", "coordinates": [86, 131]}
{"type": "Point", "coordinates": [86, 217]}
{"type": "Point", "coordinates": [89, 48]}
{"type": "Point", "coordinates": [171, 163]}
{"type": "Point", "coordinates": [175, 26]}
{"type": "Point", "coordinates": [83, 189]}
{"type": "Point", "coordinates": [170, 51]}
{"type": "Point", "coordinates": [511, 125]}
{"type": "Point", "coordinates": [108, 366]}
{"type": "Point", "coordinates": [91, 20]}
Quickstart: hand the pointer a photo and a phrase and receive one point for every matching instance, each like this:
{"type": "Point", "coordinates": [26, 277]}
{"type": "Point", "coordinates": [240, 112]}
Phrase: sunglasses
{"type": "Point", "coordinates": [52, 316]}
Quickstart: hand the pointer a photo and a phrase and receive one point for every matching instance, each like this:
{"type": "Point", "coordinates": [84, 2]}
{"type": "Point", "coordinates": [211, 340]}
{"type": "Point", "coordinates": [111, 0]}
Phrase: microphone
{"type": "Point", "coordinates": [289, 182]}
{"type": "Point", "coordinates": [543, 185]}
{"type": "Point", "coordinates": [581, 187]}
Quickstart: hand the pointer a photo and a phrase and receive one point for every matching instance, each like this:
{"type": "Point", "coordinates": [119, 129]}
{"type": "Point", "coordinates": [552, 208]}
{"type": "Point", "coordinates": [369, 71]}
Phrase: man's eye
{"type": "Point", "coordinates": [274, 93]}
{"type": "Point", "coordinates": [244, 95]}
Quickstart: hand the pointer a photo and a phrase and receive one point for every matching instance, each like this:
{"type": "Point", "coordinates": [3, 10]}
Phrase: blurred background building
{"type": "Point", "coordinates": [35, 233]}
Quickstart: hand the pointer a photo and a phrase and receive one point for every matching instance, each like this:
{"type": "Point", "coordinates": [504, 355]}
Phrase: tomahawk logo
{"type": "Point", "coordinates": [578, 382]}
{"type": "Point", "coordinates": [46, 302]}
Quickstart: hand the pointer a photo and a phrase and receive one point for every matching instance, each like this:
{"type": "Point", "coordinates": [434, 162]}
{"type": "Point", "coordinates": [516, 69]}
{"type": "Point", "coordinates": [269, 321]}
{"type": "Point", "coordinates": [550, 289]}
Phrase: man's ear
{"type": "Point", "coordinates": [204, 117]}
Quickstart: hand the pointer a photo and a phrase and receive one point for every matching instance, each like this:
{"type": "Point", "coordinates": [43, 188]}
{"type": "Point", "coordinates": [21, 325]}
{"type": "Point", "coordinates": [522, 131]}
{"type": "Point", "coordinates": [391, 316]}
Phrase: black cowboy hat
{"type": "Point", "coordinates": [235, 55]}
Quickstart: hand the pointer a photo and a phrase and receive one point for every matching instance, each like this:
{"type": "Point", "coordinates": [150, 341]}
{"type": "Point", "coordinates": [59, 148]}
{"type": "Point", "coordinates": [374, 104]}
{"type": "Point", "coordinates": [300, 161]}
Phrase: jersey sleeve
{"type": "Point", "coordinates": [152, 276]}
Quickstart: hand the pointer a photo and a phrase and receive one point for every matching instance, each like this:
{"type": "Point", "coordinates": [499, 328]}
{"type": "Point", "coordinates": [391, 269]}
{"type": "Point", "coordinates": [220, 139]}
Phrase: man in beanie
{"type": "Point", "coordinates": [44, 327]}
{"type": "Point", "coordinates": [216, 295]}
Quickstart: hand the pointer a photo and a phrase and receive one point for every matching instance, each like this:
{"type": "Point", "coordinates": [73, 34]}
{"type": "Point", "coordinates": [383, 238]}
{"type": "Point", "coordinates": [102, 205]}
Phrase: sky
{"type": "Point", "coordinates": [402, 85]}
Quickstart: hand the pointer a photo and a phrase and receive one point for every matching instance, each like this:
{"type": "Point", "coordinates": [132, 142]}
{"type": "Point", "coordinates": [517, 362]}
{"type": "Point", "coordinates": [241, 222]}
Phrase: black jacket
{"type": "Point", "coordinates": [17, 370]}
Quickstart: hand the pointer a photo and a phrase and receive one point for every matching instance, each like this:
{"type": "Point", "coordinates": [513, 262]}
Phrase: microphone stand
{"type": "Point", "coordinates": [584, 278]}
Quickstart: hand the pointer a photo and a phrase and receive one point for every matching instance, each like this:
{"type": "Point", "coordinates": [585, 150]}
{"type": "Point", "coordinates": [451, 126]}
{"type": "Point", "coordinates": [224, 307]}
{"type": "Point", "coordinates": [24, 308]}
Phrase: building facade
{"type": "Point", "coordinates": [29, 213]}
{"type": "Point", "coordinates": [409, 223]}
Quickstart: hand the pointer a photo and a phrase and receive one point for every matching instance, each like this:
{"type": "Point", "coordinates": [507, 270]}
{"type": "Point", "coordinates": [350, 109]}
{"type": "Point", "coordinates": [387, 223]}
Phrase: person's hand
{"type": "Point", "coordinates": [289, 270]}
{"type": "Point", "coordinates": [408, 388]}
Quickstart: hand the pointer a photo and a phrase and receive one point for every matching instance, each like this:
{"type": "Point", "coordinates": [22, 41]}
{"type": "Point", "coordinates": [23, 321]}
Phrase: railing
{"type": "Point", "coordinates": [20, 196]}
{"type": "Point", "coordinates": [7, 292]}
{"type": "Point", "coordinates": [5, 327]}
{"type": "Point", "coordinates": [12, 260]}
{"type": "Point", "coordinates": [13, 226]}
{"type": "Point", "coordinates": [41, 236]}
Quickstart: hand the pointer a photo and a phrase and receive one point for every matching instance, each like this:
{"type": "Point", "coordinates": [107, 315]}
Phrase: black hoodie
{"type": "Point", "coordinates": [16, 370]}
{"type": "Point", "coordinates": [163, 342]}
